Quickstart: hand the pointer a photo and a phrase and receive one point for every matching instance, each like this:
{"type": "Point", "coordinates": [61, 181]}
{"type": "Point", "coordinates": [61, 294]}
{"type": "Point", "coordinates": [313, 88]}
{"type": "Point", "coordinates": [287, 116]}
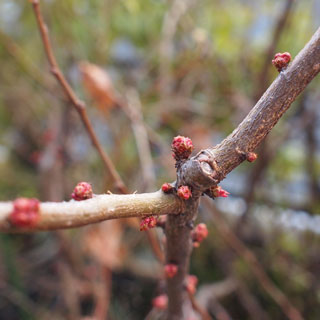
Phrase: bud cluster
{"type": "Point", "coordinates": [148, 223]}
{"type": "Point", "coordinates": [181, 147]}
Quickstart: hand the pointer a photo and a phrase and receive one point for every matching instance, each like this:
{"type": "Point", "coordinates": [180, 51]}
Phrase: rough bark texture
{"type": "Point", "coordinates": [179, 249]}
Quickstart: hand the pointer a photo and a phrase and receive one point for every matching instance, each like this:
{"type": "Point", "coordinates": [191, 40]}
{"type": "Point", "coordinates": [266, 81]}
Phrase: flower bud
{"type": "Point", "coordinates": [184, 192]}
{"type": "Point", "coordinates": [181, 147]}
{"type": "Point", "coordinates": [25, 212]}
{"type": "Point", "coordinates": [217, 191]}
{"type": "Point", "coordinates": [251, 156]}
{"type": "Point", "coordinates": [148, 223]}
{"type": "Point", "coordinates": [281, 60]}
{"type": "Point", "coordinates": [199, 233]}
{"type": "Point", "coordinates": [170, 270]}
{"type": "Point", "coordinates": [167, 188]}
{"type": "Point", "coordinates": [82, 191]}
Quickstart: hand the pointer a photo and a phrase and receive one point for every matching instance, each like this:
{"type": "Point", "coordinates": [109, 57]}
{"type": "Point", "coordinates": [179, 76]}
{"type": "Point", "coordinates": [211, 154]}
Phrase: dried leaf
{"type": "Point", "coordinates": [103, 242]}
{"type": "Point", "coordinates": [99, 86]}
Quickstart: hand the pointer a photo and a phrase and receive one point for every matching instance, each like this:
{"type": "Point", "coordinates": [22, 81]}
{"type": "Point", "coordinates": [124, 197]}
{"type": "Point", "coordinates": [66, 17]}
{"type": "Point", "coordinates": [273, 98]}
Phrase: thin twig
{"type": "Point", "coordinates": [77, 103]}
{"type": "Point", "coordinates": [81, 108]}
{"type": "Point", "coordinates": [141, 136]}
{"type": "Point", "coordinates": [196, 307]}
{"type": "Point", "coordinates": [239, 247]}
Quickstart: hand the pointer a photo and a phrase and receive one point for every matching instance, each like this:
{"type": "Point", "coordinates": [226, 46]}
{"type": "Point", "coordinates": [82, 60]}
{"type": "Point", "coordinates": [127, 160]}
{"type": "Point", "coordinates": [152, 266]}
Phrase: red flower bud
{"type": "Point", "coordinates": [199, 233]}
{"type": "Point", "coordinates": [170, 270]}
{"type": "Point", "coordinates": [217, 191]}
{"type": "Point", "coordinates": [160, 302]}
{"type": "Point", "coordinates": [184, 192]}
{"type": "Point", "coordinates": [82, 191]}
{"type": "Point", "coordinates": [25, 212]}
{"type": "Point", "coordinates": [166, 187]}
{"type": "Point", "coordinates": [251, 156]}
{"type": "Point", "coordinates": [148, 223]}
{"type": "Point", "coordinates": [181, 147]}
{"type": "Point", "coordinates": [281, 60]}
{"type": "Point", "coordinates": [191, 284]}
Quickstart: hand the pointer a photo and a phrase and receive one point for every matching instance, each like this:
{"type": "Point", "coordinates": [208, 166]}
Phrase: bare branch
{"type": "Point", "coordinates": [78, 104]}
{"type": "Point", "coordinates": [71, 214]}
{"type": "Point", "coordinates": [210, 166]}
{"type": "Point", "coordinates": [267, 112]}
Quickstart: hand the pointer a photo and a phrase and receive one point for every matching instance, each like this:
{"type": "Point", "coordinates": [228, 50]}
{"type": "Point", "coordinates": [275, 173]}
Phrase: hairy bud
{"type": "Point", "coordinates": [82, 191]}
{"type": "Point", "coordinates": [184, 192]}
{"type": "Point", "coordinates": [181, 147]}
{"type": "Point", "coordinates": [281, 60]}
{"type": "Point", "coordinates": [148, 223]}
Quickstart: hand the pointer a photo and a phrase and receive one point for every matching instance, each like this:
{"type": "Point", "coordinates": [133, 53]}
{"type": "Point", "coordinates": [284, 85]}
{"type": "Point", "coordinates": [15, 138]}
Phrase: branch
{"type": "Point", "coordinates": [263, 117]}
{"type": "Point", "coordinates": [247, 136]}
{"type": "Point", "coordinates": [81, 109]}
{"type": "Point", "coordinates": [210, 166]}
{"type": "Point", "coordinates": [77, 103]}
{"type": "Point", "coordinates": [71, 214]}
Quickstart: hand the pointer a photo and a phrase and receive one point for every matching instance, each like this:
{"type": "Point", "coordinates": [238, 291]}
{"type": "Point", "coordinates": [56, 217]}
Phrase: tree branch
{"type": "Point", "coordinates": [268, 110]}
{"type": "Point", "coordinates": [71, 214]}
{"type": "Point", "coordinates": [210, 166]}
{"type": "Point", "coordinates": [78, 104]}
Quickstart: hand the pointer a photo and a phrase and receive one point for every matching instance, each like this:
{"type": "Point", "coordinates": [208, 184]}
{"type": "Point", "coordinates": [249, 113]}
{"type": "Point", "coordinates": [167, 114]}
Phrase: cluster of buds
{"type": "Point", "coordinates": [184, 192]}
{"type": "Point", "coordinates": [167, 188]}
{"type": "Point", "coordinates": [25, 212]}
{"type": "Point", "coordinates": [281, 60]}
{"type": "Point", "coordinates": [191, 284]}
{"type": "Point", "coordinates": [199, 233]}
{"type": "Point", "coordinates": [181, 147]}
{"type": "Point", "coordinates": [170, 270]}
{"type": "Point", "coordinates": [82, 191]}
{"type": "Point", "coordinates": [251, 156]}
{"type": "Point", "coordinates": [148, 223]}
{"type": "Point", "coordinates": [160, 302]}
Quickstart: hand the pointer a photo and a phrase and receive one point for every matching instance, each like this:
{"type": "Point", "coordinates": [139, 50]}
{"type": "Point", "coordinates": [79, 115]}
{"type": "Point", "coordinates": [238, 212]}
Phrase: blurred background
{"type": "Point", "coordinates": [149, 70]}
